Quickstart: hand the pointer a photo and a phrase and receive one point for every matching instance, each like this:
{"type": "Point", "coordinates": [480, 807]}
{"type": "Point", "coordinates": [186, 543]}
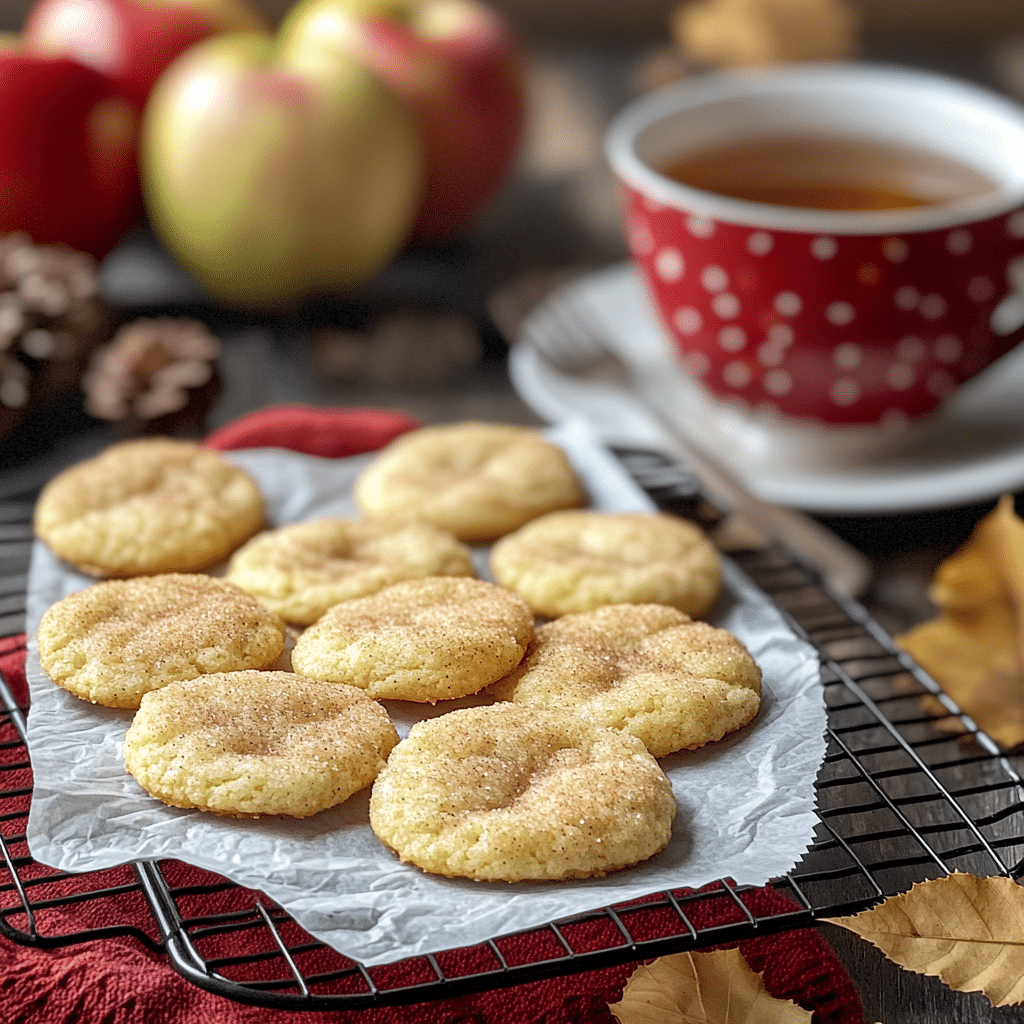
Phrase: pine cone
{"type": "Point", "coordinates": [154, 376]}
{"type": "Point", "coordinates": [51, 319]}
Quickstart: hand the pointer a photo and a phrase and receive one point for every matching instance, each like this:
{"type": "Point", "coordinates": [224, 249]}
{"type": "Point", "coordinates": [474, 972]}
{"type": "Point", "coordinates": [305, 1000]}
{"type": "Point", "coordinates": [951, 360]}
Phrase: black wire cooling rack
{"type": "Point", "coordinates": [909, 789]}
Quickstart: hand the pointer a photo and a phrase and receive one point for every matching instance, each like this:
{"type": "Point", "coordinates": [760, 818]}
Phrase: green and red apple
{"type": "Point", "coordinates": [457, 64]}
{"type": "Point", "coordinates": [68, 156]}
{"type": "Point", "coordinates": [274, 170]}
{"type": "Point", "coordinates": [132, 41]}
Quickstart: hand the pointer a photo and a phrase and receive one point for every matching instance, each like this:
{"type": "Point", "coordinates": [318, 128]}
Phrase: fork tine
{"type": "Point", "coordinates": [564, 331]}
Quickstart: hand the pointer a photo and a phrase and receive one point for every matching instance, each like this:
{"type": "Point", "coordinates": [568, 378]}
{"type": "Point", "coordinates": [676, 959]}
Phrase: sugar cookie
{"type": "Point", "coordinates": [302, 570]}
{"type": "Point", "coordinates": [421, 640]}
{"type": "Point", "coordinates": [648, 669]}
{"type": "Point", "coordinates": [507, 792]}
{"type": "Point", "coordinates": [146, 506]}
{"type": "Point", "coordinates": [118, 639]}
{"type": "Point", "coordinates": [478, 480]}
{"type": "Point", "coordinates": [252, 743]}
{"type": "Point", "coordinates": [577, 560]}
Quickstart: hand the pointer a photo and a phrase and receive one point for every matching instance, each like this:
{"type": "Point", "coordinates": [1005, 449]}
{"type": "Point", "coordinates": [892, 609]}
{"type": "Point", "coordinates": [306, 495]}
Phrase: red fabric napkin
{"type": "Point", "coordinates": [332, 433]}
{"type": "Point", "coordinates": [117, 980]}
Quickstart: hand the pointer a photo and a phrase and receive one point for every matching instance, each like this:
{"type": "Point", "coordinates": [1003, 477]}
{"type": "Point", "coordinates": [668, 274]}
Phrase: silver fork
{"type": "Point", "coordinates": [566, 333]}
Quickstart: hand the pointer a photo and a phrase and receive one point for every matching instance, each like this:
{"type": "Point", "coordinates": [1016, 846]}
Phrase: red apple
{"type": "Point", "coordinates": [275, 172]}
{"type": "Point", "coordinates": [456, 63]}
{"type": "Point", "coordinates": [132, 41]}
{"type": "Point", "coordinates": [68, 163]}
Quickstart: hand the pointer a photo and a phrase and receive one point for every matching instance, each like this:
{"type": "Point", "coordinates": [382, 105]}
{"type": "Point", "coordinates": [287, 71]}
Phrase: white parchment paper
{"type": "Point", "coordinates": [746, 804]}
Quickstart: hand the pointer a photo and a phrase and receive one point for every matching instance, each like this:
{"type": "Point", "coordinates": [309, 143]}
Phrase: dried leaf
{"type": "Point", "coordinates": [967, 931]}
{"type": "Point", "coordinates": [702, 988]}
{"type": "Point", "coordinates": [974, 648]}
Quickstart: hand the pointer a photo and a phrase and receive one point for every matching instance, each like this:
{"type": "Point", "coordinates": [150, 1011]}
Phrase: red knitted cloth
{"type": "Point", "coordinates": [116, 980]}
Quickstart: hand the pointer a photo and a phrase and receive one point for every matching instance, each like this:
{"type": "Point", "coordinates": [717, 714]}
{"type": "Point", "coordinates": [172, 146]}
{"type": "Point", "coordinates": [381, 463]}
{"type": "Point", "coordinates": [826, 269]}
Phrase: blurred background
{"type": "Point", "coordinates": [431, 333]}
{"type": "Point", "coordinates": [558, 214]}
{"type": "Point", "coordinates": [412, 334]}
{"type": "Point", "coordinates": [924, 20]}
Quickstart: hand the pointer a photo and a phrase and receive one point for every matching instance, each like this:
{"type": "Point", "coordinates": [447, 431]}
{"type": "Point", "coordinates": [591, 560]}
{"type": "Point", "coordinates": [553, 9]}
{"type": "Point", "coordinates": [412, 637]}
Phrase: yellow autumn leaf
{"type": "Point", "coordinates": [965, 930]}
{"type": "Point", "coordinates": [974, 648]}
{"type": "Point", "coordinates": [702, 988]}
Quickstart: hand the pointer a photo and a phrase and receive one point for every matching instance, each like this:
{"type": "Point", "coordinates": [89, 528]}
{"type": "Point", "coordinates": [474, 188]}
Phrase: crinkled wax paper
{"type": "Point", "coordinates": [746, 804]}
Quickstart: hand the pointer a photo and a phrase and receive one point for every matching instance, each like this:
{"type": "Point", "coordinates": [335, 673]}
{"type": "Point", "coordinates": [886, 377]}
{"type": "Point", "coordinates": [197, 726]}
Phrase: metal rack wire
{"type": "Point", "coordinates": [909, 789]}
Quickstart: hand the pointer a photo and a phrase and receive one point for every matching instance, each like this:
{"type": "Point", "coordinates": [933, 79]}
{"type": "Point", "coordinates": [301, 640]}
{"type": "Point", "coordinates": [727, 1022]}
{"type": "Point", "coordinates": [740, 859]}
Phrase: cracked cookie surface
{"type": "Point", "coordinates": [421, 640]}
{"type": "Point", "coordinates": [577, 560]}
{"type": "Point", "coordinates": [478, 480]}
{"type": "Point", "coordinates": [247, 744]}
{"type": "Point", "coordinates": [511, 793]}
{"type": "Point", "coordinates": [118, 639]}
{"type": "Point", "coordinates": [146, 506]}
{"type": "Point", "coordinates": [302, 570]}
{"type": "Point", "coordinates": [650, 670]}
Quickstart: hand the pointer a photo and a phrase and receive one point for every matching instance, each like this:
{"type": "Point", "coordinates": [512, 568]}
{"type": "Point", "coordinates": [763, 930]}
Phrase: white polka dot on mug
{"type": "Point", "coordinates": [726, 305]}
{"type": "Point", "coordinates": [732, 339]}
{"type": "Point", "coordinates": [670, 264]}
{"type": "Point", "coordinates": [788, 303]}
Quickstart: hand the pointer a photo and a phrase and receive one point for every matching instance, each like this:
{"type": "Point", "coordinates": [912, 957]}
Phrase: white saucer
{"type": "Point", "coordinates": [595, 349]}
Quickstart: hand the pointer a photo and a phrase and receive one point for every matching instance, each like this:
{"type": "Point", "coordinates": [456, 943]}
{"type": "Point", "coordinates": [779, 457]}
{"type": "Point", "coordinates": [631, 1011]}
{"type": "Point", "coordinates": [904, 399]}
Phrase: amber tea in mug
{"type": "Point", "coordinates": [828, 173]}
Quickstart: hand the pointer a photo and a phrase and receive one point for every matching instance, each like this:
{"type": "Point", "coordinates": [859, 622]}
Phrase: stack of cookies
{"type": "Point", "coordinates": [255, 660]}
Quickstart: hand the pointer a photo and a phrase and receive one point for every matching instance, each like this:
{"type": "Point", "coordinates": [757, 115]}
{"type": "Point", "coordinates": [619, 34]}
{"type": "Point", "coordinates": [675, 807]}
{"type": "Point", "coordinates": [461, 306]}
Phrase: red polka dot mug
{"type": "Point", "coordinates": [843, 316]}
